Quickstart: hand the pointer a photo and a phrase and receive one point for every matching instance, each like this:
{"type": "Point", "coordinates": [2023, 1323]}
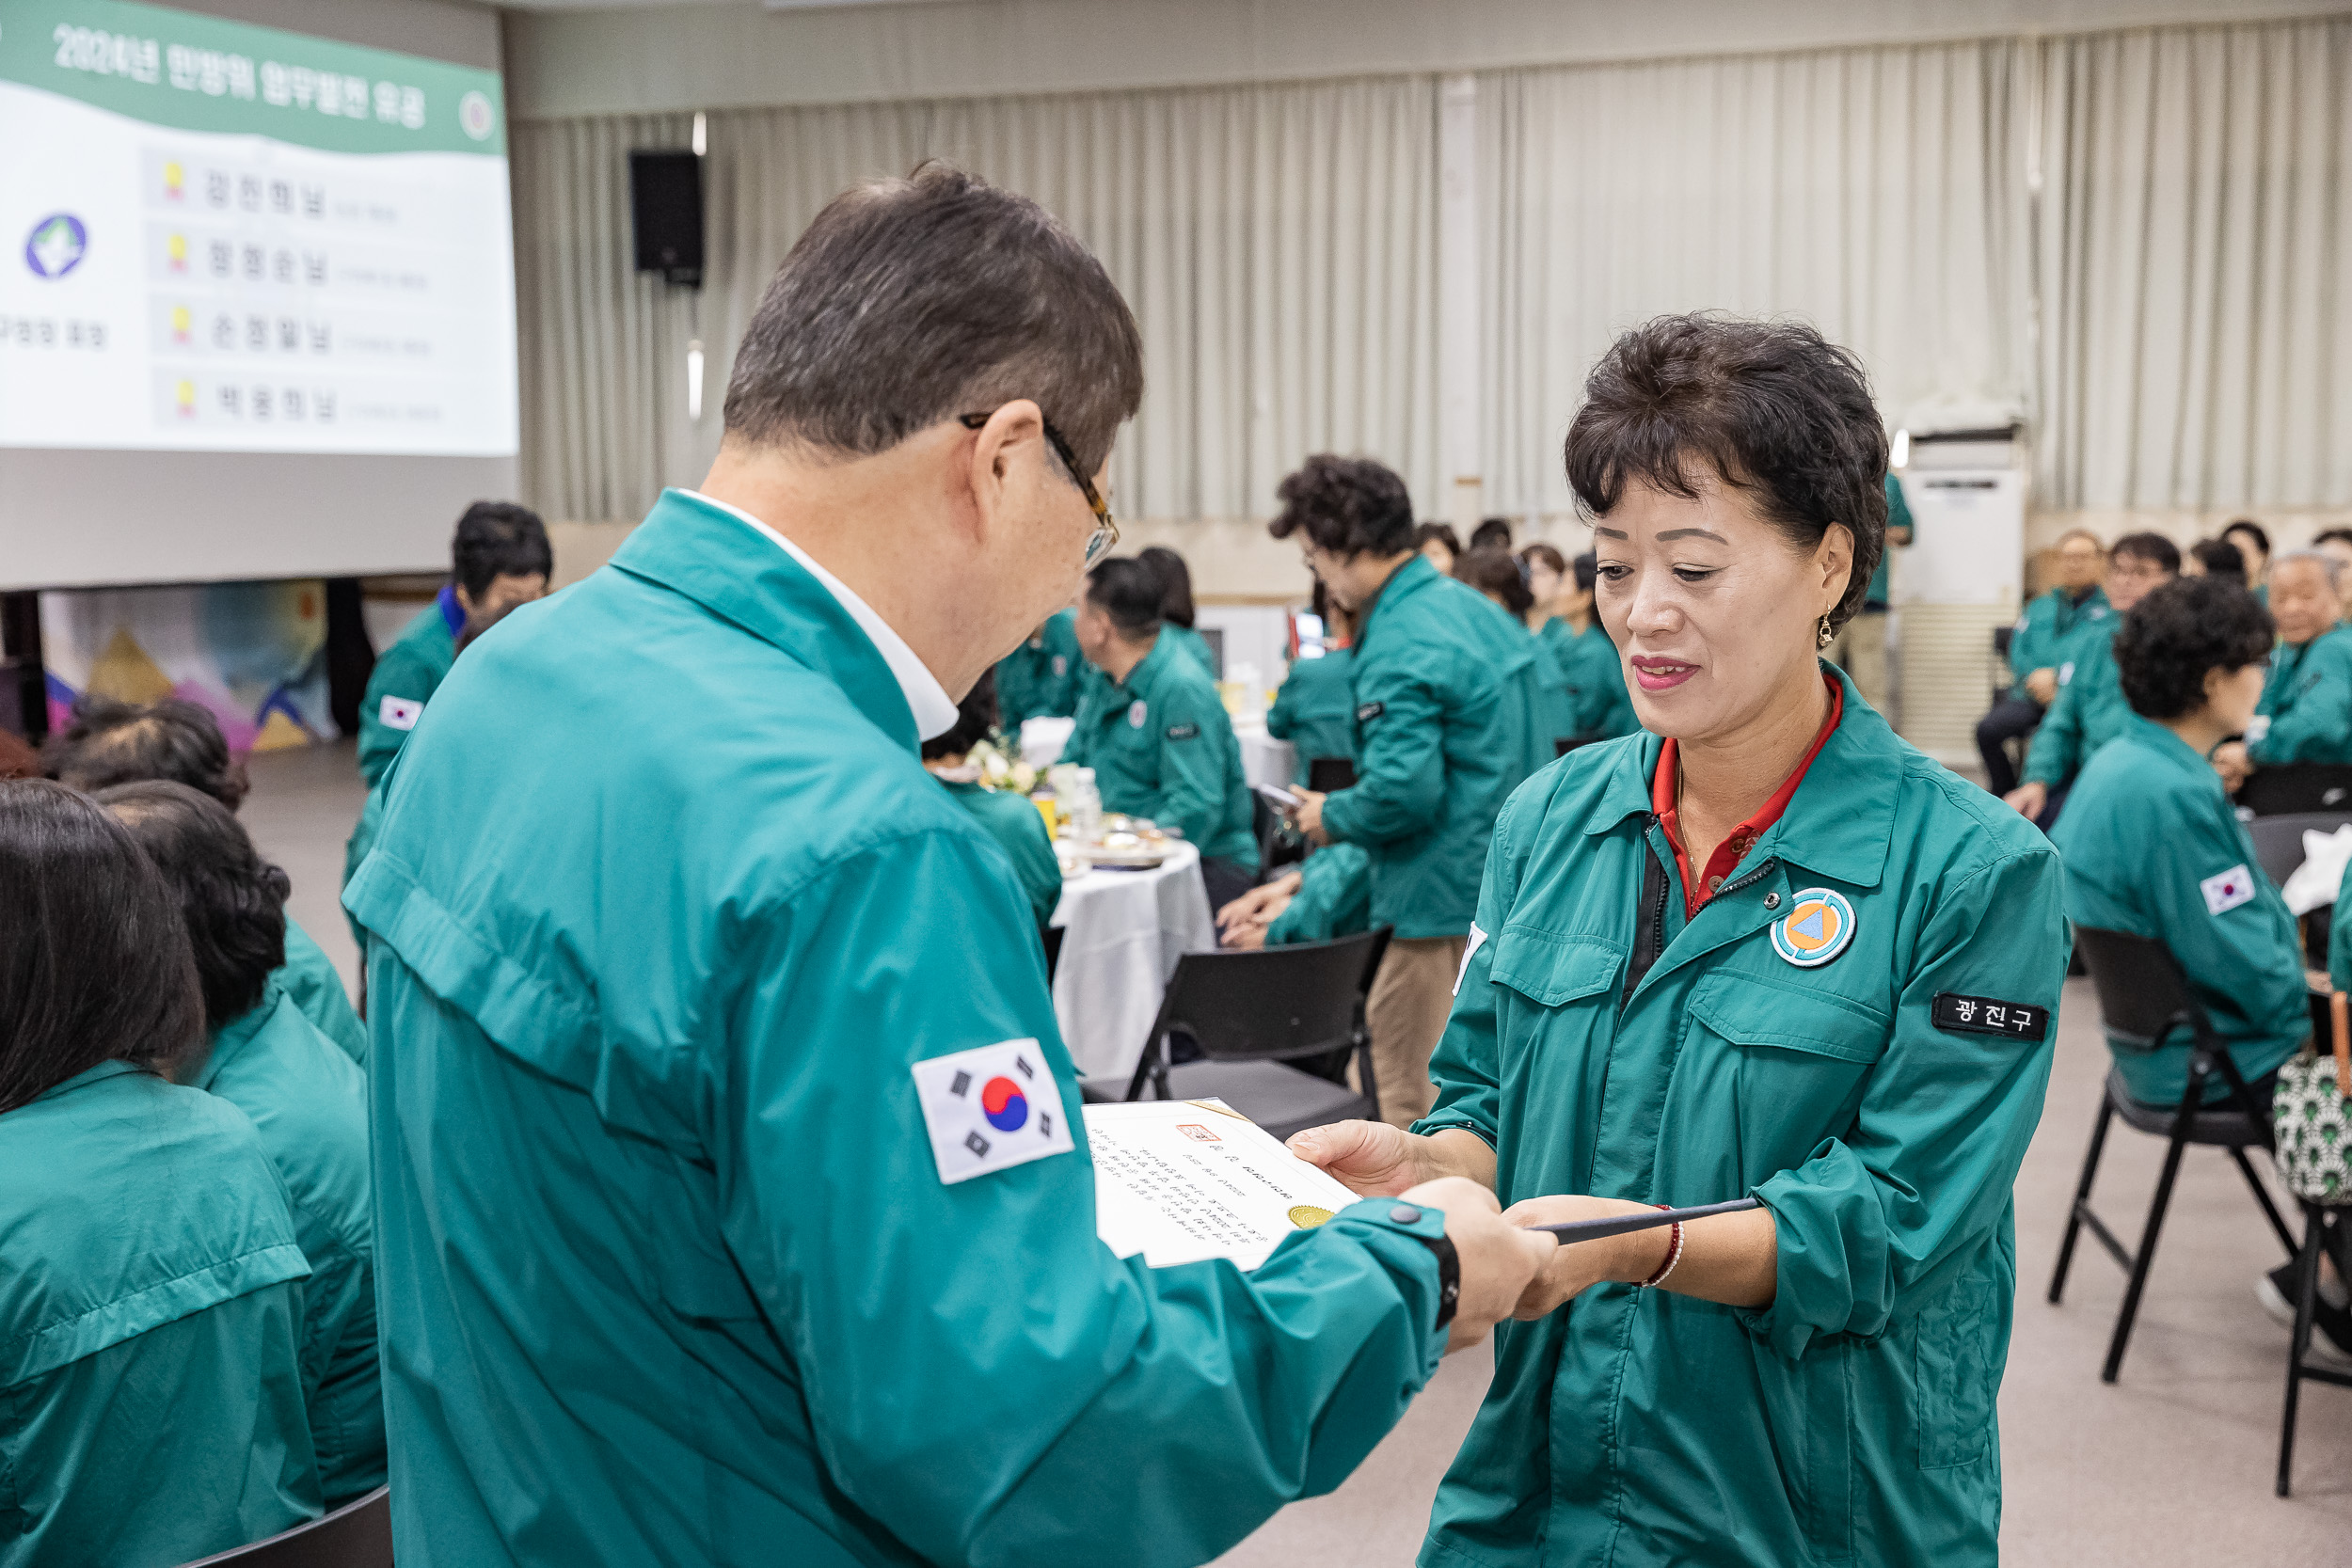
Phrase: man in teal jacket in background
{"type": "Point", "coordinates": [1039, 678]}
{"type": "Point", "coordinates": [723, 1135]}
{"type": "Point", "coordinates": [2090, 710]}
{"type": "Point", "coordinates": [1449, 720]}
{"type": "Point", "coordinates": [2056, 630]}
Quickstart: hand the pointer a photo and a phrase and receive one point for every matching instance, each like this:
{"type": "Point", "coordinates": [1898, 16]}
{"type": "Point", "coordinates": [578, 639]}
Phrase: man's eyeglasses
{"type": "Point", "coordinates": [1105, 532]}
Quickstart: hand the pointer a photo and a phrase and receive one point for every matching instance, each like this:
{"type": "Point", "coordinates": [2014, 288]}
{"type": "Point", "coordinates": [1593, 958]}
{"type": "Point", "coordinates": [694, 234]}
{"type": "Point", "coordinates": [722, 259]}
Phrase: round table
{"type": "Point", "coordinates": [1122, 932]}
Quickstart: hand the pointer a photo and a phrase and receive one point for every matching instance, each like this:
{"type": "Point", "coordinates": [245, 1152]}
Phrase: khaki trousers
{"type": "Point", "coordinates": [1411, 998]}
{"type": "Point", "coordinates": [1860, 652]}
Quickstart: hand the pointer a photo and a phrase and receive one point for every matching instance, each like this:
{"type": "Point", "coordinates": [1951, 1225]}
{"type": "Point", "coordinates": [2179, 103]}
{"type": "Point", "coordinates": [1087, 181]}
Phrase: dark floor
{"type": "Point", "coordinates": [2171, 1465]}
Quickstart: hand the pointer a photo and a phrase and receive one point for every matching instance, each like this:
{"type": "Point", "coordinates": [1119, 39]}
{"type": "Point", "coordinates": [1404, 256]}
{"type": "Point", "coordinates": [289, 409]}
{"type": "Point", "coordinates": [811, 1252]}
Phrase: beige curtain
{"type": "Point", "coordinates": [1871, 192]}
{"type": "Point", "coordinates": [1276, 243]}
{"type": "Point", "coordinates": [2195, 254]}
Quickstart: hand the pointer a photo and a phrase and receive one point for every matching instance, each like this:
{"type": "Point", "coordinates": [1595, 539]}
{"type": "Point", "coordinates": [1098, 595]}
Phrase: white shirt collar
{"type": "Point", "coordinates": [934, 711]}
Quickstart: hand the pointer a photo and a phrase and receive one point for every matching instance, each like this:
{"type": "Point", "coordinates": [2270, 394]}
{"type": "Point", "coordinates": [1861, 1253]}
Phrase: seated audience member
{"type": "Point", "coordinates": [2214, 558]}
{"type": "Point", "coordinates": [2253, 547]}
{"type": "Point", "coordinates": [2043, 648]}
{"type": "Point", "coordinates": [1595, 672]}
{"type": "Point", "coordinates": [2306, 712]}
{"type": "Point", "coordinates": [1546, 569]}
{"type": "Point", "coordinates": [1039, 678]}
{"type": "Point", "coordinates": [1155, 732]}
{"type": "Point", "coordinates": [1176, 608]}
{"type": "Point", "coordinates": [1498, 577]}
{"type": "Point", "coordinates": [2336, 544]}
{"type": "Point", "coordinates": [2153, 847]}
{"type": "Point", "coordinates": [500, 557]}
{"type": "Point", "coordinates": [1860, 647]}
{"type": "Point", "coordinates": [111, 743]}
{"type": "Point", "coordinates": [1314, 708]}
{"type": "Point", "coordinates": [1439, 543]}
{"type": "Point", "coordinates": [2091, 709]}
{"type": "Point", "coordinates": [1492, 533]}
{"type": "Point", "coordinates": [305, 1096]}
{"type": "Point", "coordinates": [151, 1281]}
{"type": "Point", "coordinates": [1007, 819]}
{"type": "Point", "coordinates": [1328, 896]}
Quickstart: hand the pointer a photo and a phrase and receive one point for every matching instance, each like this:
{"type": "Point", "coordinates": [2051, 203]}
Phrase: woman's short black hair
{"type": "Point", "coordinates": [2153, 548]}
{"type": "Point", "coordinates": [2179, 631]}
{"type": "Point", "coordinates": [976, 720]}
{"type": "Point", "coordinates": [1175, 582]}
{"type": "Point", "coordinates": [94, 960]}
{"type": "Point", "coordinates": [233, 901]}
{"type": "Point", "coordinates": [1128, 591]}
{"type": "Point", "coordinates": [1495, 573]}
{"type": "Point", "coordinates": [1345, 505]}
{"type": "Point", "coordinates": [1549, 556]}
{"type": "Point", "coordinates": [498, 539]}
{"type": "Point", "coordinates": [1442, 533]}
{"type": "Point", "coordinates": [111, 743]}
{"type": "Point", "coordinates": [1773, 408]}
{"type": "Point", "coordinates": [2252, 529]}
{"type": "Point", "coordinates": [1492, 533]}
{"type": "Point", "coordinates": [2221, 559]}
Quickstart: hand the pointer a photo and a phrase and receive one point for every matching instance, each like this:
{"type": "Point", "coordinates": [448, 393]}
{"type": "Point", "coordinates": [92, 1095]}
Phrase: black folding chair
{"type": "Point", "coordinates": [2322, 1227]}
{"type": "Point", "coordinates": [356, 1535]}
{"type": "Point", "coordinates": [1329, 775]}
{"type": "Point", "coordinates": [2298, 786]}
{"type": "Point", "coordinates": [1253, 1012]}
{"type": "Point", "coordinates": [1051, 935]}
{"type": "Point", "coordinates": [2145, 1003]}
{"type": "Point", "coordinates": [2278, 845]}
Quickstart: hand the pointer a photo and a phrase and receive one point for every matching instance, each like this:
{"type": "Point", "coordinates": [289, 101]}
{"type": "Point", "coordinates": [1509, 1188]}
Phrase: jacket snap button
{"type": "Point", "coordinates": [1771, 900]}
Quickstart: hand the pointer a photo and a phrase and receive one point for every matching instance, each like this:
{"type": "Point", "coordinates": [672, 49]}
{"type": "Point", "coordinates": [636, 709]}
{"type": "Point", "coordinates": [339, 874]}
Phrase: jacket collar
{"type": "Point", "coordinates": [1839, 824]}
{"type": "Point", "coordinates": [231, 1039]}
{"type": "Point", "coordinates": [2157, 741]}
{"type": "Point", "coordinates": [1144, 679]}
{"type": "Point", "coordinates": [695, 548]}
{"type": "Point", "coordinates": [1406, 580]}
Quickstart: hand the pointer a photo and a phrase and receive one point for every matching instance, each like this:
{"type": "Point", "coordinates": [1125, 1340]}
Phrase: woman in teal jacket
{"type": "Point", "coordinates": [305, 1096]}
{"type": "Point", "coordinates": [1765, 950]}
{"type": "Point", "coordinates": [151, 1287]}
{"type": "Point", "coordinates": [1314, 708]}
{"type": "Point", "coordinates": [1588, 661]}
{"type": "Point", "coordinates": [1005, 816]}
{"type": "Point", "coordinates": [2153, 848]}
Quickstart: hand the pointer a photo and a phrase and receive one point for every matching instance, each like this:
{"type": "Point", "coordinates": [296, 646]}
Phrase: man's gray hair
{"type": "Point", "coordinates": [2320, 559]}
{"type": "Point", "coordinates": [912, 301]}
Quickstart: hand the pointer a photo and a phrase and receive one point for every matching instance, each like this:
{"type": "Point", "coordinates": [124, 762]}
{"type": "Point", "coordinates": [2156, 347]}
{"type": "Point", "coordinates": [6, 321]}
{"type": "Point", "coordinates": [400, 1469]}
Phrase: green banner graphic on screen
{"type": "Point", "coordinates": [223, 237]}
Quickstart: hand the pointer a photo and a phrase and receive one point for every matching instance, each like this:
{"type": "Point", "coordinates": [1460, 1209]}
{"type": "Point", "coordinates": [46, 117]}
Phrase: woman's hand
{"type": "Point", "coordinates": [2028, 799]}
{"type": "Point", "coordinates": [1367, 1157]}
{"type": "Point", "coordinates": [1580, 1265]}
{"type": "Point", "coordinates": [1258, 907]}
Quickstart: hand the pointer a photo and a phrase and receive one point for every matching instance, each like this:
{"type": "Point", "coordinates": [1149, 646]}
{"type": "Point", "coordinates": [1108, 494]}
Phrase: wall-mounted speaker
{"type": "Point", "coordinates": [665, 209]}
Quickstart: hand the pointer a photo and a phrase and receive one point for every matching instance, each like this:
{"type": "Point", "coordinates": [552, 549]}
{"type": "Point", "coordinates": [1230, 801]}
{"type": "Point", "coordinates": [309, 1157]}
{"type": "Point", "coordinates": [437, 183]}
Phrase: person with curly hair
{"type": "Point", "coordinates": [1727, 958]}
{"type": "Point", "coordinates": [1450, 718]}
{"type": "Point", "coordinates": [305, 1097]}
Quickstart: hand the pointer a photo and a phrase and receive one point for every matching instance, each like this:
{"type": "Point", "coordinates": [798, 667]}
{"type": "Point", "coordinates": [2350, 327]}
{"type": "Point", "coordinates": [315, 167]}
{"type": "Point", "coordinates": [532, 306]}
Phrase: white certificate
{"type": "Point", "coordinates": [1178, 1181]}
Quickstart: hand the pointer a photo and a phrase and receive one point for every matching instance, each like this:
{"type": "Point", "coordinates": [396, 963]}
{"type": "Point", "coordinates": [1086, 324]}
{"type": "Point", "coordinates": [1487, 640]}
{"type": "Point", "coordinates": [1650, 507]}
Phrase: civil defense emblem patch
{"type": "Point", "coordinates": [1817, 928]}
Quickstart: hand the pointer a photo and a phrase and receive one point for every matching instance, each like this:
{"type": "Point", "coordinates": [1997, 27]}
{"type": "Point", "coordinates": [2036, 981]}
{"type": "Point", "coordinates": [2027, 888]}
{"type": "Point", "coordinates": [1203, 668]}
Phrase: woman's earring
{"type": "Point", "coordinates": [1823, 637]}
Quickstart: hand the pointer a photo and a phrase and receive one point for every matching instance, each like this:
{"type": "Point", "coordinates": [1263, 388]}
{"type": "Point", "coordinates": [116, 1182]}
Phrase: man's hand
{"type": "Point", "coordinates": [1499, 1261]}
{"type": "Point", "coordinates": [2042, 686]}
{"type": "Point", "coordinates": [2028, 799]}
{"type": "Point", "coordinates": [2231, 761]}
{"type": "Point", "coordinates": [1307, 816]}
{"type": "Point", "coordinates": [1367, 1157]}
{"type": "Point", "coordinates": [1575, 1268]}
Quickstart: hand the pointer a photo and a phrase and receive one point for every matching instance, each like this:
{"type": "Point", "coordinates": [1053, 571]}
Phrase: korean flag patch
{"type": "Point", "coordinates": [990, 1109]}
{"type": "Point", "coordinates": [2227, 890]}
{"type": "Point", "coordinates": [399, 713]}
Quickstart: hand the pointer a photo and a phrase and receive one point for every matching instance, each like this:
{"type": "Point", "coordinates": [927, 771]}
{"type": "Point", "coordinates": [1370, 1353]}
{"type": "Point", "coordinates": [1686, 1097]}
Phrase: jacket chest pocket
{"type": "Point", "coordinates": [1792, 1065]}
{"type": "Point", "coordinates": [1560, 985]}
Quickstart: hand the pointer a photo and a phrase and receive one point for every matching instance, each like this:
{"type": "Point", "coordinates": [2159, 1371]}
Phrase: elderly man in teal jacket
{"type": "Point", "coordinates": [731, 1203]}
{"type": "Point", "coordinates": [1450, 718]}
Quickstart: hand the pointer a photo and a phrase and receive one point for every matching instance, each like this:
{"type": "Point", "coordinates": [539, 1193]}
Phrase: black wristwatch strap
{"type": "Point", "coordinates": [1449, 1276]}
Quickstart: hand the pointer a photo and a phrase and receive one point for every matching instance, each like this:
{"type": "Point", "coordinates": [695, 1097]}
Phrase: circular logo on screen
{"type": "Point", "coordinates": [475, 116]}
{"type": "Point", "coordinates": [57, 245]}
{"type": "Point", "coordinates": [1004, 1104]}
{"type": "Point", "coordinates": [1816, 929]}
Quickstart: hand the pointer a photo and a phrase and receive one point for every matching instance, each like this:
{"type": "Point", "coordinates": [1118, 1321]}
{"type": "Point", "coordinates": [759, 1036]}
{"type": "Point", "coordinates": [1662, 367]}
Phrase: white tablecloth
{"type": "Point", "coordinates": [1263, 759]}
{"type": "Point", "coordinates": [1122, 932]}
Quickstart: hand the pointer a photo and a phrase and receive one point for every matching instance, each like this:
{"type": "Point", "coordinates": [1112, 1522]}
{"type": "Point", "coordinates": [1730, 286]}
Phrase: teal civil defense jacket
{"type": "Point", "coordinates": [1015, 827]}
{"type": "Point", "coordinates": [668, 1271]}
{"type": "Point", "coordinates": [1162, 746]}
{"type": "Point", "coordinates": [1186, 639]}
{"type": "Point", "coordinates": [405, 676]}
{"type": "Point", "coordinates": [151, 1319]}
{"type": "Point", "coordinates": [1602, 709]}
{"type": "Point", "coordinates": [1334, 898]}
{"type": "Point", "coordinates": [309, 1103]}
{"type": "Point", "coordinates": [1039, 678]}
{"type": "Point", "coordinates": [2089, 712]}
{"type": "Point", "coordinates": [2057, 631]}
{"type": "Point", "coordinates": [2308, 700]}
{"type": "Point", "coordinates": [1314, 708]}
{"type": "Point", "coordinates": [1873, 1075]}
{"type": "Point", "coordinates": [308, 977]}
{"type": "Point", "coordinates": [1449, 720]}
{"type": "Point", "coordinates": [2152, 847]}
